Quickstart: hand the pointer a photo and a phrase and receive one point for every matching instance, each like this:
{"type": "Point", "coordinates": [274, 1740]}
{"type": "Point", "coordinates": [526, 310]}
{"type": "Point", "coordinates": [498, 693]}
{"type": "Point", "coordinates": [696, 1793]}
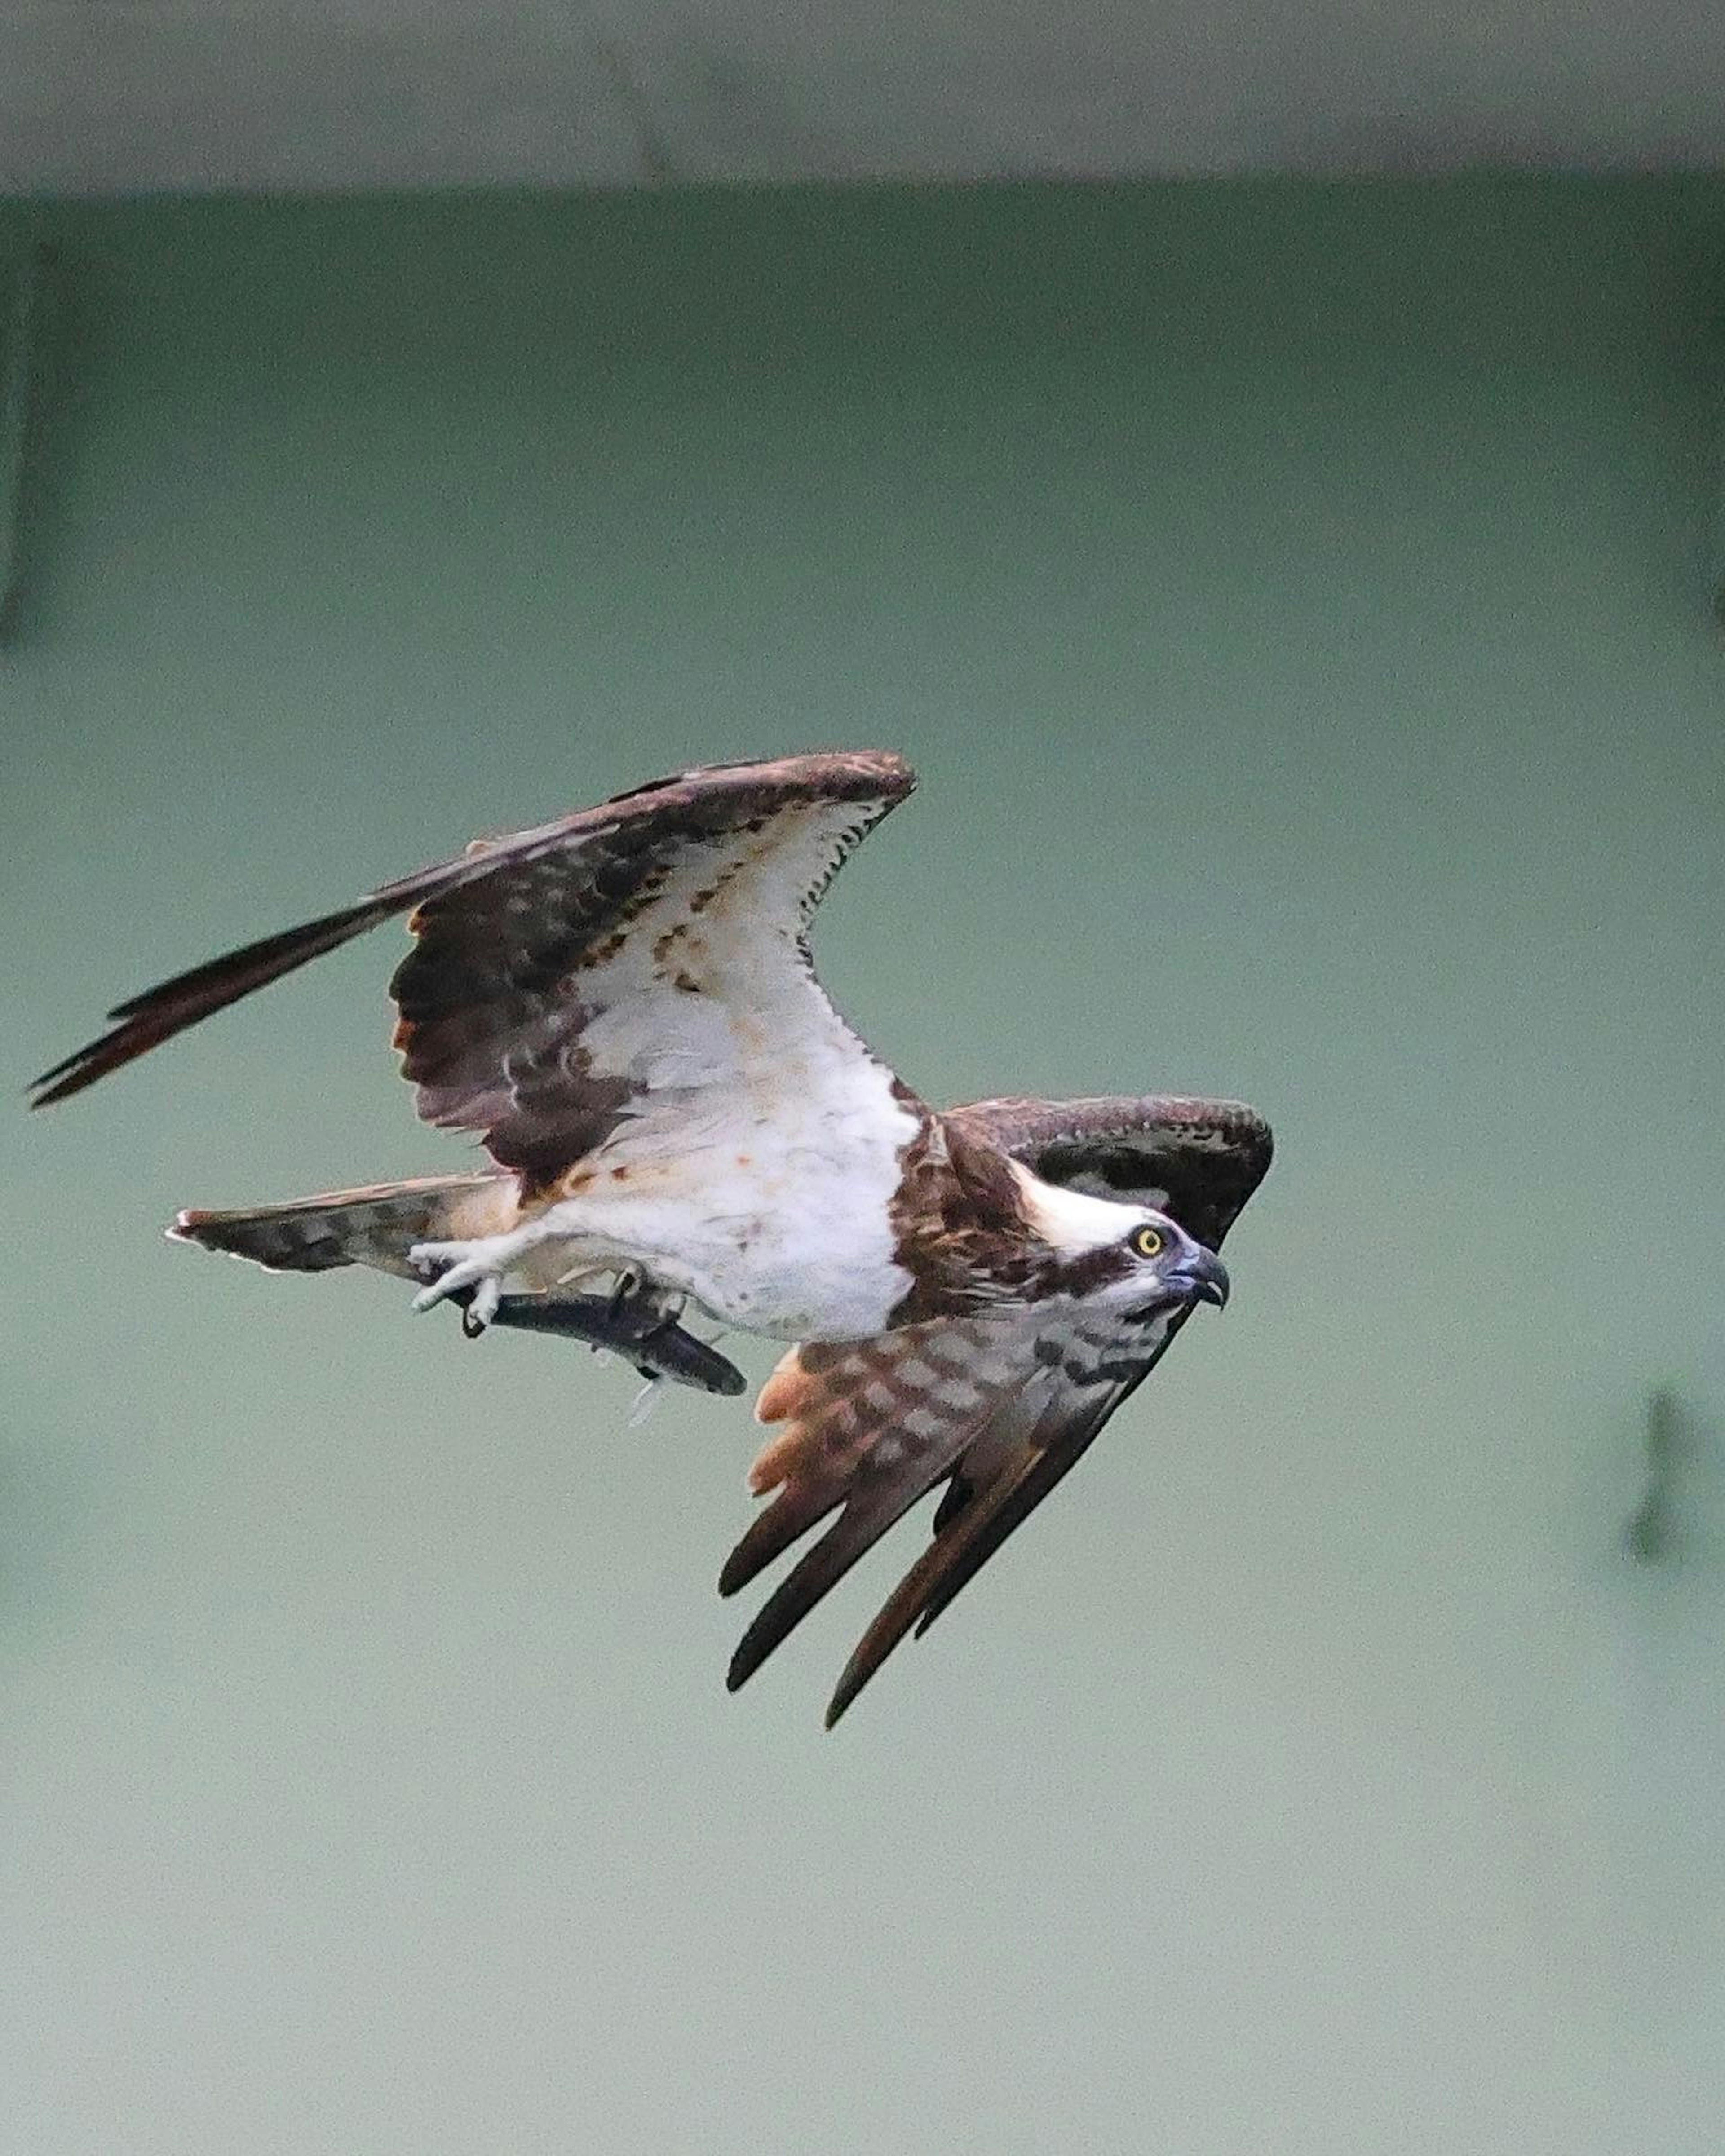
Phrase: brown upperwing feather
{"type": "Point", "coordinates": [1199, 1161]}
{"type": "Point", "coordinates": [974, 1529]}
{"type": "Point", "coordinates": [871, 1426]}
{"type": "Point", "coordinates": [500, 928]}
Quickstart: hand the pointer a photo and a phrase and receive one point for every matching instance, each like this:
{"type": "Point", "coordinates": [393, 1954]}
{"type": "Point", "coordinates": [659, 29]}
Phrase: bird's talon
{"type": "Point", "coordinates": [450, 1267]}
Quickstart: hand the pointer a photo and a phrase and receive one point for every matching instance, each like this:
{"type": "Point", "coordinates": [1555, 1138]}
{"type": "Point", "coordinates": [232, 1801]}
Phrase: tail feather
{"type": "Point", "coordinates": [373, 1226]}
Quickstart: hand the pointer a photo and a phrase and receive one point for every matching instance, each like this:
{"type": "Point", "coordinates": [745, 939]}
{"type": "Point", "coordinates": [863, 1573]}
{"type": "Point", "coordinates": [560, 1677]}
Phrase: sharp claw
{"type": "Point", "coordinates": [482, 1283]}
{"type": "Point", "coordinates": [428, 1298]}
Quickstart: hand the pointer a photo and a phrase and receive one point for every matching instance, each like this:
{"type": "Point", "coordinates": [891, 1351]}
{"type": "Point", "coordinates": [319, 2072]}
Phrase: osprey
{"type": "Point", "coordinates": [621, 1004]}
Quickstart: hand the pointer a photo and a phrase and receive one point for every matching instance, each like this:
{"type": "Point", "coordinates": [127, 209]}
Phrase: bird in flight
{"type": "Point", "coordinates": [621, 1004]}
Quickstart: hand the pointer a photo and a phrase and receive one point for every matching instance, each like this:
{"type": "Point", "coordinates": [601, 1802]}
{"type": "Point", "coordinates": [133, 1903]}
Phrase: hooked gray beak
{"type": "Point", "coordinates": [1200, 1276]}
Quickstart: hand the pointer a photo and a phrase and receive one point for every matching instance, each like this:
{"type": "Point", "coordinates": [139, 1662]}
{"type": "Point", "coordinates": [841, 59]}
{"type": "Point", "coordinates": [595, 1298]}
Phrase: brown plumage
{"type": "Point", "coordinates": [620, 1004]}
{"type": "Point", "coordinates": [491, 1012]}
{"type": "Point", "coordinates": [998, 1406]}
{"type": "Point", "coordinates": [373, 1226]}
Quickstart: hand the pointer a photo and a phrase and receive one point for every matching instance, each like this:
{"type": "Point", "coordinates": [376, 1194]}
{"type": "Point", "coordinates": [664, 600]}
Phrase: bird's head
{"type": "Point", "coordinates": [1132, 1258]}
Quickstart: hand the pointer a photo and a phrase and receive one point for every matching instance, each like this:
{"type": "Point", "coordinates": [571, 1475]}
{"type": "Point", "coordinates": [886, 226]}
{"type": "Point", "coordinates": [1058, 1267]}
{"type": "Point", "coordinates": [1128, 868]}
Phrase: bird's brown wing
{"type": "Point", "coordinates": [998, 1406]}
{"type": "Point", "coordinates": [653, 944]}
{"type": "Point", "coordinates": [868, 1428]}
{"type": "Point", "coordinates": [998, 1485]}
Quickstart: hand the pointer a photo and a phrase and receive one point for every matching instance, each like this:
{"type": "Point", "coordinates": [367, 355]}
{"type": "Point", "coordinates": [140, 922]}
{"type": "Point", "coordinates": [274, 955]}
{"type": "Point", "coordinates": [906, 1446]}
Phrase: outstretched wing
{"type": "Point", "coordinates": [652, 944]}
{"type": "Point", "coordinates": [1197, 1161]}
{"type": "Point", "coordinates": [870, 1426]}
{"type": "Point", "coordinates": [999, 1407]}
{"type": "Point", "coordinates": [996, 1406]}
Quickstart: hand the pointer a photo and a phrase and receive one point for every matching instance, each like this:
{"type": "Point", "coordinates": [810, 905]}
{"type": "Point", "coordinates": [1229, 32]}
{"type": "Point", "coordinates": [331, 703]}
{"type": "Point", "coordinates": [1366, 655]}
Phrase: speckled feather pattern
{"type": "Point", "coordinates": [372, 1226]}
{"type": "Point", "coordinates": [621, 1005]}
{"type": "Point", "coordinates": [869, 1427]}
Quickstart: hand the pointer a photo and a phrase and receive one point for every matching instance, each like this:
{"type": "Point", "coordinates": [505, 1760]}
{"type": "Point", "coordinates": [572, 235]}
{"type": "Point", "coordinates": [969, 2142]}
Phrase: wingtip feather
{"type": "Point", "coordinates": [748, 1657]}
{"type": "Point", "coordinates": [845, 1693]}
{"type": "Point", "coordinates": [143, 1022]}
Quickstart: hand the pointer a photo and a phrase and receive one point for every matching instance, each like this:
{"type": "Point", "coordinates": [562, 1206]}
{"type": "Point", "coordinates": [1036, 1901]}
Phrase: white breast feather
{"type": "Point", "coordinates": [763, 1145]}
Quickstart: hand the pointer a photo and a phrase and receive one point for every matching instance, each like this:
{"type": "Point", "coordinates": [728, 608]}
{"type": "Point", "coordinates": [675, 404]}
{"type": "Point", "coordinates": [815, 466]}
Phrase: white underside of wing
{"type": "Point", "coordinates": [762, 1145]}
{"type": "Point", "coordinates": [775, 1221]}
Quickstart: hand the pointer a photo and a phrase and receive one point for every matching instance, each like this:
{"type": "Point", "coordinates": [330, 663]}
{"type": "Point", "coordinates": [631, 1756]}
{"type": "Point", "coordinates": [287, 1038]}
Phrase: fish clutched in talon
{"type": "Point", "coordinates": [652, 1342]}
{"type": "Point", "coordinates": [620, 1005]}
{"type": "Point", "coordinates": [631, 1322]}
{"type": "Point", "coordinates": [480, 1264]}
{"type": "Point", "coordinates": [477, 1293]}
{"type": "Point", "coordinates": [448, 1268]}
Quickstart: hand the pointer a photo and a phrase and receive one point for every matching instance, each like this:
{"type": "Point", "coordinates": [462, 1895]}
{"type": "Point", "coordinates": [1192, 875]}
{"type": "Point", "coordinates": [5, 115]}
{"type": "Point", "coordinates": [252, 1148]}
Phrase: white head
{"type": "Point", "coordinates": [1131, 1256]}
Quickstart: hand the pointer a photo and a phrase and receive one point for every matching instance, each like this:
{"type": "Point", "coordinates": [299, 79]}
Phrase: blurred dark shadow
{"type": "Point", "coordinates": [34, 349]}
{"type": "Point", "coordinates": [1667, 1527]}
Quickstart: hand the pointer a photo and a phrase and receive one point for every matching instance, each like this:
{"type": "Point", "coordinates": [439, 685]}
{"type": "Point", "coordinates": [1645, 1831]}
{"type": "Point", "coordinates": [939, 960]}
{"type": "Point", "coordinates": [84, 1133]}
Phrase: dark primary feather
{"type": "Point", "coordinates": [871, 1425]}
{"type": "Point", "coordinates": [975, 1530]}
{"type": "Point", "coordinates": [1199, 1161]}
{"type": "Point", "coordinates": [490, 998]}
{"type": "Point", "coordinates": [160, 1012]}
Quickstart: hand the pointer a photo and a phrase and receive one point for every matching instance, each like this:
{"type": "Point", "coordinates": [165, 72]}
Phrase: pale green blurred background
{"type": "Point", "coordinates": [1297, 601]}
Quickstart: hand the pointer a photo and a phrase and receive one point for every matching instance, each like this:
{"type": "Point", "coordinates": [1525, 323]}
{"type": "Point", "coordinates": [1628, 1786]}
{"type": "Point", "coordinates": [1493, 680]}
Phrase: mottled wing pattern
{"type": "Point", "coordinates": [1197, 1161]}
{"type": "Point", "coordinates": [998, 1407]}
{"type": "Point", "coordinates": [869, 1426]}
{"type": "Point", "coordinates": [650, 944]}
{"type": "Point", "coordinates": [1085, 1376]}
{"type": "Point", "coordinates": [370, 1226]}
{"type": "Point", "coordinates": [663, 954]}
{"type": "Point", "coordinates": [1055, 1376]}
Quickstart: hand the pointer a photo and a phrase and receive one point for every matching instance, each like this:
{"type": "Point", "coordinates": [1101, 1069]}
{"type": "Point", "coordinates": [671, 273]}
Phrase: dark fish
{"type": "Point", "coordinates": [656, 1345]}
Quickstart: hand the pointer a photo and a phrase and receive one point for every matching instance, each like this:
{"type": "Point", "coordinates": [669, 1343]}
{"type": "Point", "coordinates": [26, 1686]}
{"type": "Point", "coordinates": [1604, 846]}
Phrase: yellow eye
{"type": "Point", "coordinates": [1148, 1242]}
